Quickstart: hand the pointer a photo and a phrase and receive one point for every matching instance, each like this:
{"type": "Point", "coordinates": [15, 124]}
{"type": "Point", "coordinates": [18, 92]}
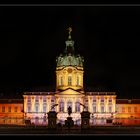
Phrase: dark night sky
{"type": "Point", "coordinates": [108, 37]}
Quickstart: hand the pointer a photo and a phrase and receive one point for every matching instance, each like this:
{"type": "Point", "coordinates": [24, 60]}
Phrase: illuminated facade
{"type": "Point", "coordinates": [11, 111]}
{"type": "Point", "coordinates": [70, 92]}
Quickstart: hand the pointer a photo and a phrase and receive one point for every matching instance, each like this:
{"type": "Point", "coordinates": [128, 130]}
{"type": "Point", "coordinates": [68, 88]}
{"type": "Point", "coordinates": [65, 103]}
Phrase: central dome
{"type": "Point", "coordinates": [69, 58]}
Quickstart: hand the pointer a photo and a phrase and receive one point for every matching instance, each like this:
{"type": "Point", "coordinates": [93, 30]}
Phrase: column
{"type": "Point", "coordinates": [32, 103]}
{"type": "Point", "coordinates": [65, 105]}
{"type": "Point", "coordinates": [89, 104]}
{"type": "Point", "coordinates": [106, 104]}
{"type": "Point", "coordinates": [25, 104]}
{"type": "Point", "coordinates": [113, 104]}
{"type": "Point", "coordinates": [73, 105]}
{"type": "Point", "coordinates": [82, 102]}
{"type": "Point", "coordinates": [82, 79]}
{"type": "Point", "coordinates": [98, 104]}
{"type": "Point", "coordinates": [40, 104]}
{"type": "Point", "coordinates": [57, 102]}
{"type": "Point", "coordinates": [48, 104]}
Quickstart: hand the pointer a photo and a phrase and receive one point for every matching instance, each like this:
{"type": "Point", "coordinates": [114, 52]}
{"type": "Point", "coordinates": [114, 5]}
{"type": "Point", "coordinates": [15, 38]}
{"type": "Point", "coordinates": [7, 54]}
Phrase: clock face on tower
{"type": "Point", "coordinates": [69, 70]}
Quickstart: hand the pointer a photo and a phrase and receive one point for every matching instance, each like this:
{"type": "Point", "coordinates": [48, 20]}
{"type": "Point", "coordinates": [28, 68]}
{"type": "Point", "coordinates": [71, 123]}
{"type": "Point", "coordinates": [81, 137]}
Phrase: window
{"type": "Point", "coordinates": [29, 100]}
{"type": "Point", "coordinates": [94, 100]}
{"type": "Point", "coordinates": [110, 109]}
{"type": "Point", "coordinates": [60, 80]}
{"type": "Point", "coordinates": [102, 109]}
{"type": "Point", "coordinates": [129, 109]}
{"type": "Point", "coordinates": [110, 100]}
{"type": "Point", "coordinates": [15, 109]}
{"type": "Point", "coordinates": [123, 109]}
{"type": "Point", "coordinates": [61, 106]}
{"type": "Point", "coordinates": [135, 109]}
{"type": "Point", "coordinates": [3, 108]}
{"type": "Point", "coordinates": [86, 100]}
{"type": "Point", "coordinates": [78, 82]}
{"type": "Point", "coordinates": [77, 107]}
{"type": "Point", "coordinates": [29, 109]}
{"type": "Point", "coordinates": [36, 100]}
{"type": "Point", "coordinates": [36, 108]}
{"type": "Point", "coordinates": [102, 100]}
{"type": "Point", "coordinates": [52, 100]}
{"type": "Point", "coordinates": [44, 100]}
{"type": "Point", "coordinates": [44, 108]}
{"type": "Point", "coordinates": [9, 109]}
{"type": "Point", "coordinates": [69, 81]}
{"type": "Point", "coordinates": [94, 108]}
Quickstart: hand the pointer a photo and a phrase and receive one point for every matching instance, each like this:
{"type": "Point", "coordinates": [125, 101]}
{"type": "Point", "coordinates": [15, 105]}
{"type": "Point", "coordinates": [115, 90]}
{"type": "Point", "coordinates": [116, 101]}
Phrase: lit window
{"type": "Point", "coordinates": [29, 100]}
{"type": "Point", "coordinates": [9, 109]}
{"type": "Point", "coordinates": [36, 108]}
{"type": "Point", "coordinates": [110, 100]}
{"type": "Point", "coordinates": [110, 109]}
{"type": "Point", "coordinates": [29, 109]}
{"type": "Point", "coordinates": [44, 100]}
{"type": "Point", "coordinates": [94, 100]}
{"type": "Point", "coordinates": [16, 109]}
{"type": "Point", "coordinates": [135, 109]}
{"type": "Point", "coordinates": [36, 100]}
{"type": "Point", "coordinates": [129, 109]}
{"type": "Point", "coordinates": [69, 81]}
{"type": "Point", "coordinates": [86, 100]}
{"type": "Point", "coordinates": [77, 107]}
{"type": "Point", "coordinates": [102, 100]}
{"type": "Point", "coordinates": [102, 109]}
{"type": "Point", "coordinates": [94, 108]}
{"type": "Point", "coordinates": [44, 108]}
{"type": "Point", "coordinates": [61, 106]}
{"type": "Point", "coordinates": [3, 108]}
{"type": "Point", "coordinates": [123, 109]}
{"type": "Point", "coordinates": [52, 101]}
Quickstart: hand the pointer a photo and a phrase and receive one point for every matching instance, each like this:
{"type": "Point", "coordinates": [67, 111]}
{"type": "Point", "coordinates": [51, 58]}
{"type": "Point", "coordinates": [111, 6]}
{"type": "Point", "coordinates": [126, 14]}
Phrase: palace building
{"type": "Point", "coordinates": [70, 92]}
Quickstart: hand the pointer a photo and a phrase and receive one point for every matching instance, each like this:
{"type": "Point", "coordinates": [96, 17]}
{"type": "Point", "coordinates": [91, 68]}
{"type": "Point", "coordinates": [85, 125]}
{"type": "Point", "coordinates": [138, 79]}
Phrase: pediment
{"type": "Point", "coordinates": [70, 92]}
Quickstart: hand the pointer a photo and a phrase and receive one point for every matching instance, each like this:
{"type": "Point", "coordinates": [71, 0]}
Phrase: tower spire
{"type": "Point", "coordinates": [69, 43]}
{"type": "Point", "coordinates": [70, 30]}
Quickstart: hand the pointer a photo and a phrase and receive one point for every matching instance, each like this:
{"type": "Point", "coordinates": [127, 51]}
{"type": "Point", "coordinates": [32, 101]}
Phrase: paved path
{"type": "Point", "coordinates": [94, 131]}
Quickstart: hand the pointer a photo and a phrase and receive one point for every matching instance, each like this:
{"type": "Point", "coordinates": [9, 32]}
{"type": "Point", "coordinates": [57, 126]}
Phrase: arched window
{"type": "Point", "coordinates": [69, 81]}
{"type": "Point", "coordinates": [78, 81]}
{"type": "Point", "coordinates": [60, 81]}
{"type": "Point", "coordinates": [61, 106]}
{"type": "Point", "coordinates": [77, 107]}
